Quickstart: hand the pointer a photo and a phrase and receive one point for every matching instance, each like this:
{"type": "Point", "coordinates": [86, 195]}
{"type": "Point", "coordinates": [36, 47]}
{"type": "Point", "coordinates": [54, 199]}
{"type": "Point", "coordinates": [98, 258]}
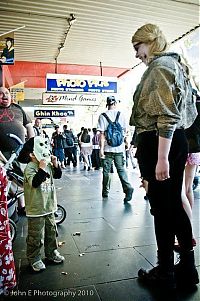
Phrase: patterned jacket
{"type": "Point", "coordinates": [163, 99]}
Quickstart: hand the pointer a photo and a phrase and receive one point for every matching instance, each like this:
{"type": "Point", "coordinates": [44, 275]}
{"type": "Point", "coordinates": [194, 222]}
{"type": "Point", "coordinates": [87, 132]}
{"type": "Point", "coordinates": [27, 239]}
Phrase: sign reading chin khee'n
{"type": "Point", "coordinates": [80, 83]}
{"type": "Point", "coordinates": [53, 113]}
{"type": "Point", "coordinates": [71, 99]}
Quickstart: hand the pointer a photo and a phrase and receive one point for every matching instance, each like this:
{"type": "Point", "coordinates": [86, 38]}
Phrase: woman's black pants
{"type": "Point", "coordinates": [170, 218]}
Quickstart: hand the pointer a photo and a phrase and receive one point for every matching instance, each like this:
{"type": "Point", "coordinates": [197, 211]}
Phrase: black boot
{"type": "Point", "coordinates": [160, 276]}
{"type": "Point", "coordinates": [186, 274]}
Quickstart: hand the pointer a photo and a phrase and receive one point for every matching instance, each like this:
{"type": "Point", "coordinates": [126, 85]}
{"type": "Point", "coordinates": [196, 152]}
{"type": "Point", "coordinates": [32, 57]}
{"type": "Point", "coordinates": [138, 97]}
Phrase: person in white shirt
{"type": "Point", "coordinates": [111, 154]}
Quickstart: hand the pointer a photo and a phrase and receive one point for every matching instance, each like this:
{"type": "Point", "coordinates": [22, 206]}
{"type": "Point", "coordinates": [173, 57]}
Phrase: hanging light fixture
{"type": "Point", "coordinates": [70, 22]}
{"type": "Point", "coordinates": [71, 19]}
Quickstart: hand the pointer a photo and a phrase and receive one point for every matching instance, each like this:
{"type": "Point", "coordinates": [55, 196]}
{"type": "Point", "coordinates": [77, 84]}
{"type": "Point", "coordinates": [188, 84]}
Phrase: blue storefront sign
{"type": "Point", "coordinates": [64, 83]}
{"type": "Point", "coordinates": [53, 113]}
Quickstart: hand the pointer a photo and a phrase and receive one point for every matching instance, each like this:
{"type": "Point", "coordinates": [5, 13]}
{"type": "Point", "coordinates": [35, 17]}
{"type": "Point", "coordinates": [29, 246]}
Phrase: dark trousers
{"type": "Point", "coordinates": [95, 158]}
{"type": "Point", "coordinates": [69, 157]}
{"type": "Point", "coordinates": [170, 218]}
{"type": "Point", "coordinates": [74, 153]}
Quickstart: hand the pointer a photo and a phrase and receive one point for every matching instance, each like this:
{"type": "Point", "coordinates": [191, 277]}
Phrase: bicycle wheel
{"type": "Point", "coordinates": [60, 214]}
{"type": "Point", "coordinates": [13, 229]}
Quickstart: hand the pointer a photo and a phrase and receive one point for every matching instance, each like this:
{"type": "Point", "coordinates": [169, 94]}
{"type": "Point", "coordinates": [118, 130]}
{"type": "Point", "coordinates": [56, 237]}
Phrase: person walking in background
{"type": "Point", "coordinates": [38, 128]}
{"type": "Point", "coordinates": [57, 142]}
{"type": "Point", "coordinates": [69, 146]}
{"type": "Point", "coordinates": [162, 108]}
{"type": "Point", "coordinates": [95, 149]}
{"type": "Point", "coordinates": [115, 154]}
{"type": "Point", "coordinates": [75, 149]}
{"type": "Point", "coordinates": [41, 201]}
{"type": "Point", "coordinates": [86, 148]}
{"type": "Point", "coordinates": [193, 160]}
{"type": "Point", "coordinates": [79, 144]}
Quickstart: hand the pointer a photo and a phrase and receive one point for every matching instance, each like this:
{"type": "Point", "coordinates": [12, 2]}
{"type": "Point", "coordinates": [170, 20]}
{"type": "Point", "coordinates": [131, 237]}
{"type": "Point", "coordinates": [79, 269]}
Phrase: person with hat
{"type": "Point", "coordinates": [40, 201]}
{"type": "Point", "coordinates": [111, 153]}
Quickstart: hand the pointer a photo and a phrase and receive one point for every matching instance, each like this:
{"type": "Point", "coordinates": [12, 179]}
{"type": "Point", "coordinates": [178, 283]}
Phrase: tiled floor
{"type": "Point", "coordinates": [115, 241]}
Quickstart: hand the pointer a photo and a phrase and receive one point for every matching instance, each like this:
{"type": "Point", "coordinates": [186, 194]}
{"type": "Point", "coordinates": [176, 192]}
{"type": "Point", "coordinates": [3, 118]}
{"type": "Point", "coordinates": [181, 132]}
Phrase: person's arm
{"type": "Point", "coordinates": [101, 127]}
{"type": "Point", "coordinates": [101, 144]}
{"type": "Point", "coordinates": [162, 166]}
{"type": "Point", "coordinates": [30, 130]}
{"type": "Point", "coordinates": [41, 174]}
{"type": "Point", "coordinates": [167, 109]}
{"type": "Point", "coordinates": [57, 172]}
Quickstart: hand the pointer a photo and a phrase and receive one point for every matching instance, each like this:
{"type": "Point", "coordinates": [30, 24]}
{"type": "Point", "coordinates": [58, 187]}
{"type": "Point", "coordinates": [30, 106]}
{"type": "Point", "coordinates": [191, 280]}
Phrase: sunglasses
{"type": "Point", "coordinates": [136, 46]}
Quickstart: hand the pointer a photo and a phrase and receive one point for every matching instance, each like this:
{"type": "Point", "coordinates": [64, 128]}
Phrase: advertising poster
{"type": "Point", "coordinates": [7, 49]}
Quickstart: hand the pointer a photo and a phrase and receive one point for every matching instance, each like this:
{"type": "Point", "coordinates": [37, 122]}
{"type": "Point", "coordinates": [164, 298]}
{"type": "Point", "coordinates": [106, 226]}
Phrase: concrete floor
{"type": "Point", "coordinates": [115, 241]}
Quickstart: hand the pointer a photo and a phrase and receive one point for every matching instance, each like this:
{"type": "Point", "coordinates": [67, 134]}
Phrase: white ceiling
{"type": "Point", "coordinates": [102, 31]}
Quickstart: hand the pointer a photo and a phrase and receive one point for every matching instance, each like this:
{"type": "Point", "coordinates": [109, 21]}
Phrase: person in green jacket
{"type": "Point", "coordinates": [40, 201]}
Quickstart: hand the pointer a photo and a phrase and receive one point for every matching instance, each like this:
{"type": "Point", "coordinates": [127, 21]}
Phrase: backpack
{"type": "Point", "coordinates": [69, 139]}
{"type": "Point", "coordinates": [114, 132]}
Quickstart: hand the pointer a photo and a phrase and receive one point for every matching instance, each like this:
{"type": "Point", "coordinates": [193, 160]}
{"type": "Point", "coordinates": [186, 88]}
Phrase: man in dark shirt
{"type": "Point", "coordinates": [13, 120]}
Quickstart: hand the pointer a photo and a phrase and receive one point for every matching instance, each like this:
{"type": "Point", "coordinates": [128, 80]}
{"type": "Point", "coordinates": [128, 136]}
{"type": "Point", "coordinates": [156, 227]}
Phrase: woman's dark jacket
{"type": "Point", "coordinates": [193, 132]}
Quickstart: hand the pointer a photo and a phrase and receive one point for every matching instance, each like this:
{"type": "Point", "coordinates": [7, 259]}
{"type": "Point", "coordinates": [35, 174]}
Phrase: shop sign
{"type": "Point", "coordinates": [81, 84]}
{"type": "Point", "coordinates": [17, 92]}
{"type": "Point", "coordinates": [53, 113]}
{"type": "Point", "coordinates": [71, 99]}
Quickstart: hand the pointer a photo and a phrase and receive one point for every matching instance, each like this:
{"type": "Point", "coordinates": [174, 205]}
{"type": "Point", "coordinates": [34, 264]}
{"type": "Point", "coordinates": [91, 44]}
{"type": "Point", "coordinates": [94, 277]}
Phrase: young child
{"type": "Point", "coordinates": [40, 201]}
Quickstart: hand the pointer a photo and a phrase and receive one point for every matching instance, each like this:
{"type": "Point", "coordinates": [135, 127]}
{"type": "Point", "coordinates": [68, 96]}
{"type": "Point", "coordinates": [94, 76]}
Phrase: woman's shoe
{"type": "Point", "coordinates": [186, 274]}
{"type": "Point", "coordinates": [156, 276]}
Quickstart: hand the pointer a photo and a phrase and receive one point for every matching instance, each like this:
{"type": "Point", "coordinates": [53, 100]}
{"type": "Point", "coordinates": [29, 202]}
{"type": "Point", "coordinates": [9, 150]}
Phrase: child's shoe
{"type": "Point", "coordinates": [38, 266]}
{"type": "Point", "coordinates": [57, 258]}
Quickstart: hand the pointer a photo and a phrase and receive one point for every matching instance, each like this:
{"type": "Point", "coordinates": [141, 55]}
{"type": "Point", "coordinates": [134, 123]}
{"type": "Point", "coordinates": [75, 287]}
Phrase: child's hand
{"type": "Point", "coordinates": [42, 164]}
{"type": "Point", "coordinates": [54, 161]}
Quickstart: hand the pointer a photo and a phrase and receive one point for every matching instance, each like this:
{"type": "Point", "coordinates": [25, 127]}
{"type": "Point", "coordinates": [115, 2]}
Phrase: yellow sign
{"type": "Point", "coordinates": [17, 92]}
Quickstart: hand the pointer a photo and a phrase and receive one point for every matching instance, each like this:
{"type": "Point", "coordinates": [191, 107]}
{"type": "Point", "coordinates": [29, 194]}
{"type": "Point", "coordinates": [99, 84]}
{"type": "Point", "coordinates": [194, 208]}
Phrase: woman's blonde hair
{"type": "Point", "coordinates": [152, 35]}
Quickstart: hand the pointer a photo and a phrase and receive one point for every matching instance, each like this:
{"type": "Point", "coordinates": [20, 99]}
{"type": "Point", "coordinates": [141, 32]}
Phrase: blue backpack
{"type": "Point", "coordinates": [114, 132]}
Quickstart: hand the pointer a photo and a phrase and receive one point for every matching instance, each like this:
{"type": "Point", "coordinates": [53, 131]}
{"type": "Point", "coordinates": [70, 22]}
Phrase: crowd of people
{"type": "Point", "coordinates": [165, 118]}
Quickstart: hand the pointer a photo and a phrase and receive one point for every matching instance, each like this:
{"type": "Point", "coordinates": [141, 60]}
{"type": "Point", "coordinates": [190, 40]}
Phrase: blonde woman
{"type": "Point", "coordinates": [162, 110]}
